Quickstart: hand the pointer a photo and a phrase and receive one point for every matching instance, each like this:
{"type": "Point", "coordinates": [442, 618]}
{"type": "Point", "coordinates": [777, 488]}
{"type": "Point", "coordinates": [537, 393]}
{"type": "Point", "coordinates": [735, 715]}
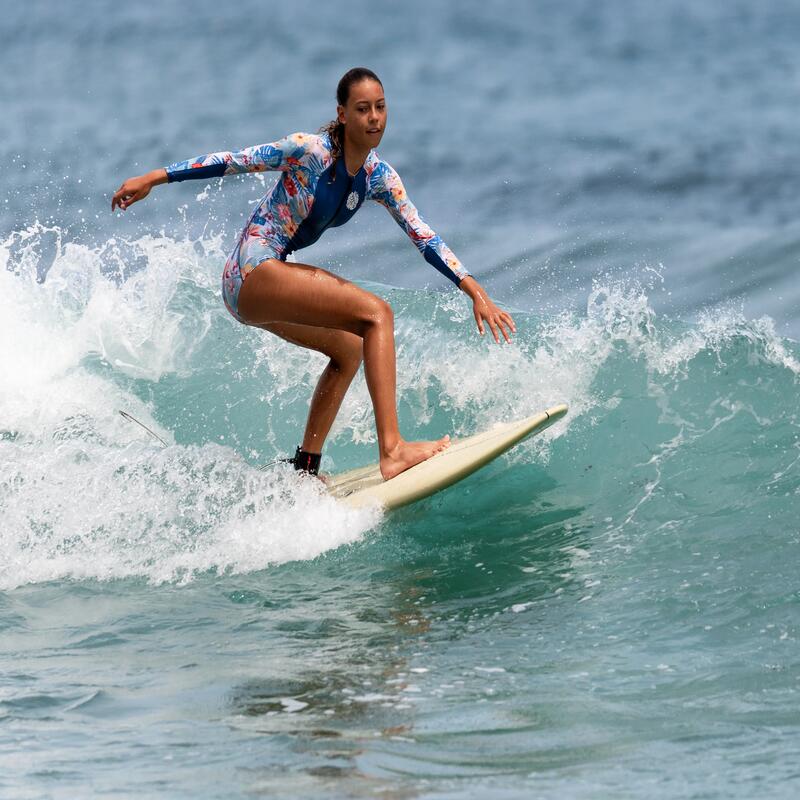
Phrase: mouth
{"type": "Point", "coordinates": [373, 131]}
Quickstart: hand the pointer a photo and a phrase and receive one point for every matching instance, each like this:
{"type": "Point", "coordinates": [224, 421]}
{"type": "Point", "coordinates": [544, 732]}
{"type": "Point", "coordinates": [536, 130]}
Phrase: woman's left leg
{"type": "Point", "coordinates": [345, 351]}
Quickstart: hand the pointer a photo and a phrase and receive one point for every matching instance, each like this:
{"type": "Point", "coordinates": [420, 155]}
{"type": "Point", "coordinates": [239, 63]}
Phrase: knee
{"type": "Point", "coordinates": [381, 314]}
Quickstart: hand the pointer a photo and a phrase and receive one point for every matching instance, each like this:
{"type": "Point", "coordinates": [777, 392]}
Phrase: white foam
{"type": "Point", "coordinates": [90, 509]}
{"type": "Point", "coordinates": [86, 494]}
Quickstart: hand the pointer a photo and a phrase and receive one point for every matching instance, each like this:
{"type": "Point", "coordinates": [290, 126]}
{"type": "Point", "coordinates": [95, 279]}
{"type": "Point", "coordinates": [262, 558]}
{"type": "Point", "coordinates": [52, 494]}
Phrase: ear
{"type": "Point", "coordinates": [340, 114]}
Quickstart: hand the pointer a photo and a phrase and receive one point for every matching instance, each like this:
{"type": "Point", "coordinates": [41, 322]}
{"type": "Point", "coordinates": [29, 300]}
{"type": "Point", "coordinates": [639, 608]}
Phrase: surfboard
{"type": "Point", "coordinates": [365, 485]}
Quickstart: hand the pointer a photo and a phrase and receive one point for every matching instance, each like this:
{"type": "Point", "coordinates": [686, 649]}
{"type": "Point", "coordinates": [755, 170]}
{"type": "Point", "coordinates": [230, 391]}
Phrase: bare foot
{"type": "Point", "coordinates": [406, 454]}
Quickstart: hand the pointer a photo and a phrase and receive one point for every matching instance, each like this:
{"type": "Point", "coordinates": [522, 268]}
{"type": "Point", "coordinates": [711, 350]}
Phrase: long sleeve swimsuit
{"type": "Point", "coordinates": [314, 193]}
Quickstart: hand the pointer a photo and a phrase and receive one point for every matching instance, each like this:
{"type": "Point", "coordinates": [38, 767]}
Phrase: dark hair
{"type": "Point", "coordinates": [334, 128]}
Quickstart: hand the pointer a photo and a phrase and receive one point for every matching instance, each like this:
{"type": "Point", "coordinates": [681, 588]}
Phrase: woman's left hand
{"type": "Point", "coordinates": [486, 311]}
{"type": "Point", "coordinates": [496, 318]}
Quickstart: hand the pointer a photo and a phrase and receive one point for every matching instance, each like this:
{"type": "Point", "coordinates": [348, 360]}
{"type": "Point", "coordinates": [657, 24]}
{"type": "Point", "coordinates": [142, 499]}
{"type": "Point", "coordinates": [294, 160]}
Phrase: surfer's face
{"type": "Point", "coordinates": [364, 116]}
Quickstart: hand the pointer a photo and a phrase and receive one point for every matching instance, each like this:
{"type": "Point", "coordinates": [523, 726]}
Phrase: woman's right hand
{"type": "Point", "coordinates": [135, 189]}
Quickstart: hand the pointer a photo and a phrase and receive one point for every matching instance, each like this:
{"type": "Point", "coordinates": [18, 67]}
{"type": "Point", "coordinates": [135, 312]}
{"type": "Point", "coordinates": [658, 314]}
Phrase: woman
{"type": "Point", "coordinates": [326, 178]}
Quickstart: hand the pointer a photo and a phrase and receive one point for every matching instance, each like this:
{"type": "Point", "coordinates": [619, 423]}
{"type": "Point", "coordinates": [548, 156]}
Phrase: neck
{"type": "Point", "coordinates": [354, 156]}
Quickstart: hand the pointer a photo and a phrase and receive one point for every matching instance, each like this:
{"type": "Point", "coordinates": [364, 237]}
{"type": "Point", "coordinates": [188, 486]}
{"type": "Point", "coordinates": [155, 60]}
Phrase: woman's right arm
{"type": "Point", "coordinates": [280, 155]}
{"type": "Point", "coordinates": [138, 188]}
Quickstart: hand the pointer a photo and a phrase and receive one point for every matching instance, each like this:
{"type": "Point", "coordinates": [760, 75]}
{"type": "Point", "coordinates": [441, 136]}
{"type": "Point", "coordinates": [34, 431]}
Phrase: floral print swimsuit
{"type": "Point", "coordinates": [315, 193]}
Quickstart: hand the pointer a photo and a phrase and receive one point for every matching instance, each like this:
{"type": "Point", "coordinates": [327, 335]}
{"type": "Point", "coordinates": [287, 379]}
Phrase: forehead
{"type": "Point", "coordinates": [366, 90]}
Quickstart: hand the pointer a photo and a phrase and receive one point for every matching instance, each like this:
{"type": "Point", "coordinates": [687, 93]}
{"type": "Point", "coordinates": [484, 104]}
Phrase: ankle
{"type": "Point", "coordinates": [305, 461]}
{"type": "Point", "coordinates": [388, 447]}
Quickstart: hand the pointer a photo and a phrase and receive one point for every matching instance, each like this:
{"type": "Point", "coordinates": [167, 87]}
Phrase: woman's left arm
{"type": "Point", "coordinates": [388, 190]}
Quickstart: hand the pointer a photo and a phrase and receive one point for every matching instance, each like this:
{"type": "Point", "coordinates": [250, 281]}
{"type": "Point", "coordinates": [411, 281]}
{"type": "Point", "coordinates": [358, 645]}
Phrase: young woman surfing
{"type": "Point", "coordinates": [326, 178]}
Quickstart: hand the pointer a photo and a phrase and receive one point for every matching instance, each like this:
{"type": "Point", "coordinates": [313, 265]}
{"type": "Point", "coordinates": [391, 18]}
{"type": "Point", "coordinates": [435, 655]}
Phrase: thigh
{"type": "Point", "coordinates": [342, 346]}
{"type": "Point", "coordinates": [299, 293]}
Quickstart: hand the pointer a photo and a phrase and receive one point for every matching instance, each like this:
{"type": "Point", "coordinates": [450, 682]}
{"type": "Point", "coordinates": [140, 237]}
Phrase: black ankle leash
{"type": "Point", "coordinates": [302, 461]}
{"type": "Point", "coordinates": [305, 461]}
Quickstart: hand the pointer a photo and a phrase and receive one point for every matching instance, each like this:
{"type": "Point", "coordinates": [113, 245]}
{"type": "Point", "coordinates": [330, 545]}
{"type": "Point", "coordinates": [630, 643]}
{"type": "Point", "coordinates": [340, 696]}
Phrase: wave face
{"type": "Point", "coordinates": [610, 610]}
{"type": "Point", "coordinates": [650, 392]}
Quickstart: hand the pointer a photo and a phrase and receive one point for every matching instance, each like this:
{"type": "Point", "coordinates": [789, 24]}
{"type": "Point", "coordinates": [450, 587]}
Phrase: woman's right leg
{"type": "Point", "coordinates": [298, 293]}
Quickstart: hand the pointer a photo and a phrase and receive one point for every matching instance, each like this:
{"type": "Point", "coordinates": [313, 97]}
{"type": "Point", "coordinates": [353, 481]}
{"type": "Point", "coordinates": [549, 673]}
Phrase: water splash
{"type": "Point", "coordinates": [138, 325]}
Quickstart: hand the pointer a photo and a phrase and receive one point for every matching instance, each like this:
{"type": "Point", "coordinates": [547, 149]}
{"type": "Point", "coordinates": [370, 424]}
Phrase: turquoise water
{"type": "Point", "coordinates": [608, 611]}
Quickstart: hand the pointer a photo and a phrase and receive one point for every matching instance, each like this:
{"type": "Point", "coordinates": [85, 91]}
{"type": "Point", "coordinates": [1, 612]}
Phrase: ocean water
{"type": "Point", "coordinates": [611, 610]}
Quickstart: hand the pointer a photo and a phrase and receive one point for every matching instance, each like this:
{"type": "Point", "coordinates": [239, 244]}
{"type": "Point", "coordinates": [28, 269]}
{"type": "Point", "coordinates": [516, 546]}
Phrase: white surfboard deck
{"type": "Point", "coordinates": [365, 485]}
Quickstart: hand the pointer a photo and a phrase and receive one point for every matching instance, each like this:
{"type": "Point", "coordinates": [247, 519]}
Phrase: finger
{"type": "Point", "coordinates": [509, 323]}
{"type": "Point", "coordinates": [494, 330]}
{"type": "Point", "coordinates": [498, 324]}
{"type": "Point", "coordinates": [479, 322]}
{"type": "Point", "coordinates": [120, 197]}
